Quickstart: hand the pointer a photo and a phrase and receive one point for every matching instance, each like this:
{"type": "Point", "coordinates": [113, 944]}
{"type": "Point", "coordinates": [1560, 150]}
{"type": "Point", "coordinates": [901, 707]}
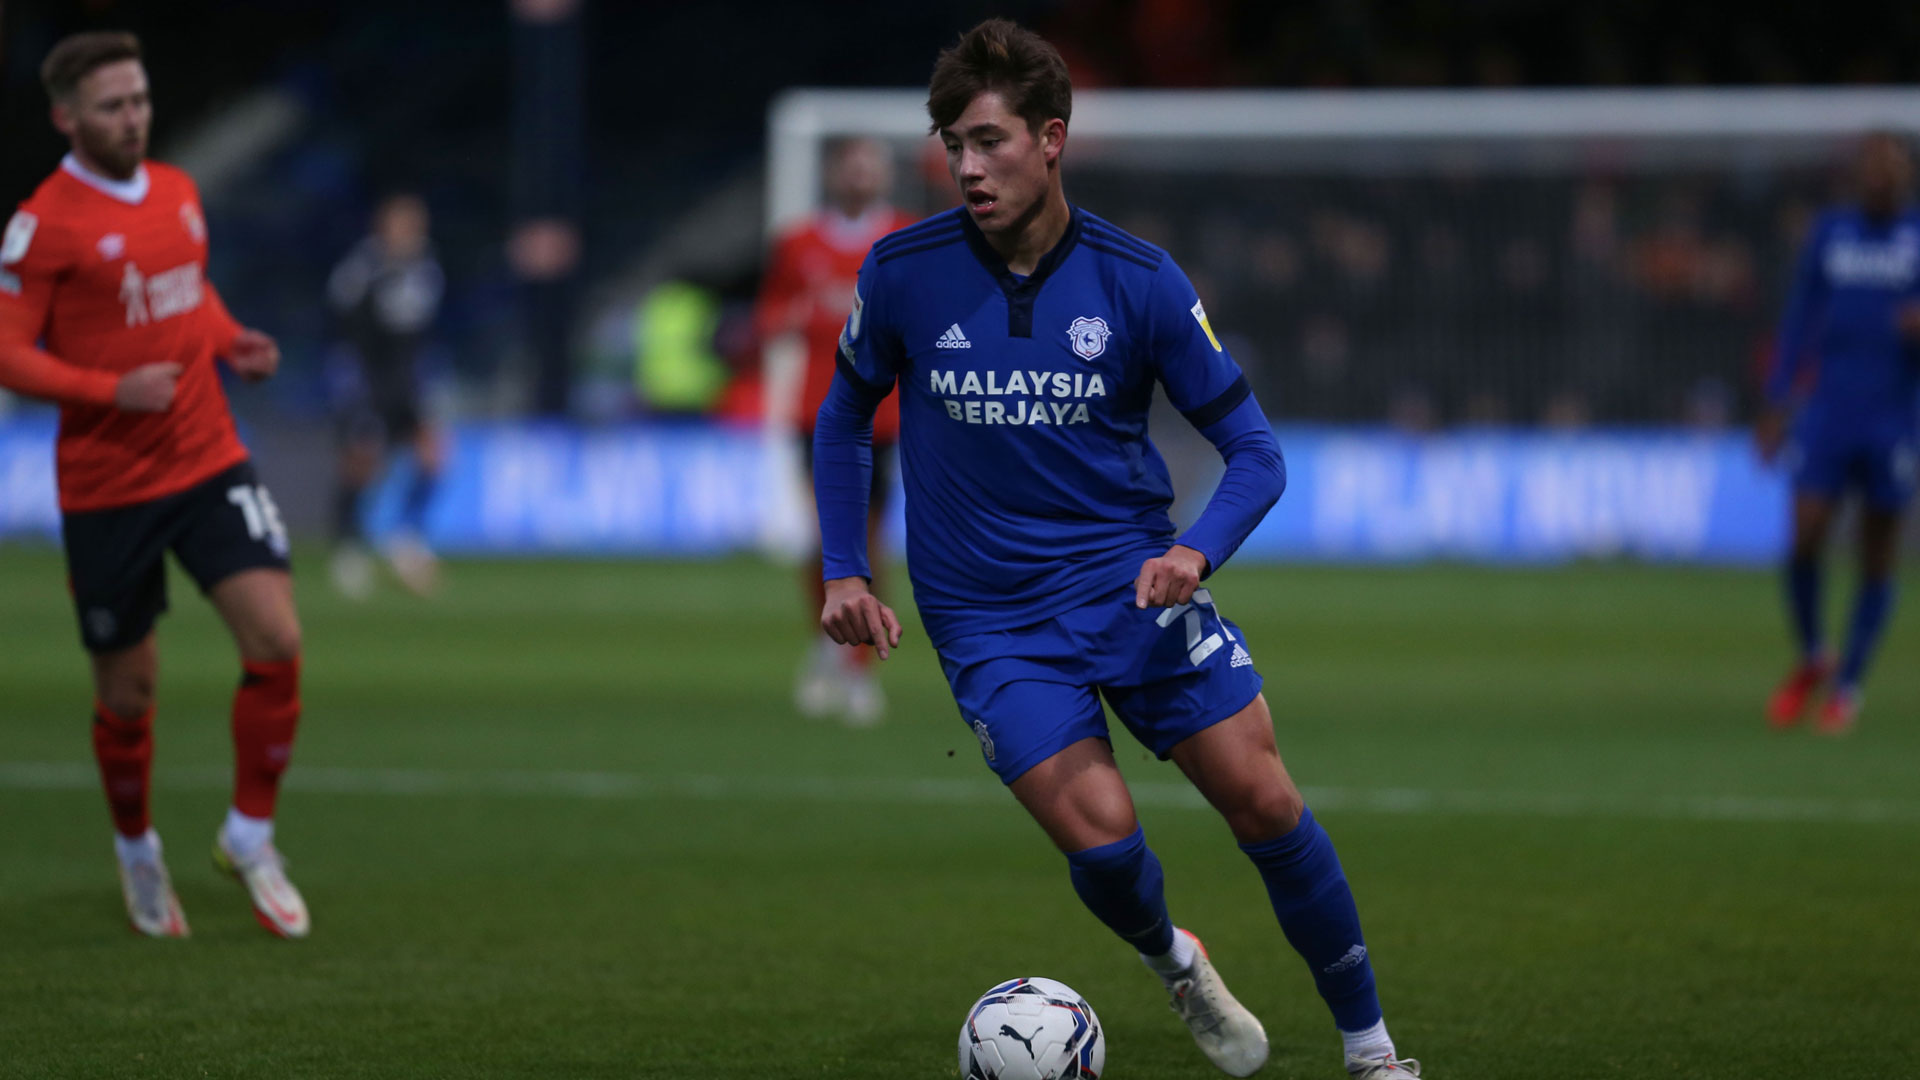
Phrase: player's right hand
{"type": "Point", "coordinates": [854, 616]}
{"type": "Point", "coordinates": [147, 388]}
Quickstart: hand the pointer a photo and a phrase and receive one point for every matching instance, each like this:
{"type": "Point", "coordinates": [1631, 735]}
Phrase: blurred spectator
{"type": "Point", "coordinates": [1358, 249]}
{"type": "Point", "coordinates": [1324, 348]}
{"type": "Point", "coordinates": [1485, 408]}
{"type": "Point", "coordinates": [1276, 261]}
{"type": "Point", "coordinates": [386, 293]}
{"type": "Point", "coordinates": [1178, 43]}
{"type": "Point", "coordinates": [1524, 266]}
{"type": "Point", "coordinates": [804, 304]}
{"type": "Point", "coordinates": [1413, 412]}
{"type": "Point", "coordinates": [677, 370]}
{"type": "Point", "coordinates": [1667, 262]}
{"type": "Point", "coordinates": [1709, 406]}
{"type": "Point", "coordinates": [1442, 255]}
{"type": "Point", "coordinates": [1596, 224]}
{"type": "Point", "coordinates": [1567, 410]}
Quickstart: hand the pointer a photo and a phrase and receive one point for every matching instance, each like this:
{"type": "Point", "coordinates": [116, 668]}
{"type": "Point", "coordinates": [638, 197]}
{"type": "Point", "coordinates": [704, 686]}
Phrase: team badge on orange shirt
{"type": "Point", "coordinates": [190, 217]}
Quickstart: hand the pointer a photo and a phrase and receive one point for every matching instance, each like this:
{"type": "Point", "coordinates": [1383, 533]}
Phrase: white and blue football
{"type": "Point", "coordinates": [1032, 1029]}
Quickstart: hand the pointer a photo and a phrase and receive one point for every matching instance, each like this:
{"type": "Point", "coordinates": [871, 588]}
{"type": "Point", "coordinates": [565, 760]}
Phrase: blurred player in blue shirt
{"type": "Point", "coordinates": [1848, 362]}
{"type": "Point", "coordinates": [1025, 337]}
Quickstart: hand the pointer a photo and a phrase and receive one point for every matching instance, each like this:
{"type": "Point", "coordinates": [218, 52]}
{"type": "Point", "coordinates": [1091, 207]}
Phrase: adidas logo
{"type": "Point", "coordinates": [953, 339]}
{"type": "Point", "coordinates": [1240, 657]}
{"type": "Point", "coordinates": [1352, 958]}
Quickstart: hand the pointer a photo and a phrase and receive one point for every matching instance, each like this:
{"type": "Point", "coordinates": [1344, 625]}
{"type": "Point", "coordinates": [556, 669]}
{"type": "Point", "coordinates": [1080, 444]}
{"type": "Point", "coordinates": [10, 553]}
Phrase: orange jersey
{"type": "Point", "coordinates": [109, 277]}
{"type": "Point", "coordinates": [809, 288]}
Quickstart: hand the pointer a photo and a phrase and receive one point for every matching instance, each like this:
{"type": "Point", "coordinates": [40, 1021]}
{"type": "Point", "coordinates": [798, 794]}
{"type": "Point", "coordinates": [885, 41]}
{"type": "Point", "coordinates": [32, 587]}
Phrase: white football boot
{"type": "Point", "coordinates": [1382, 1068]}
{"type": "Point", "coordinates": [276, 903]}
{"type": "Point", "coordinates": [152, 907]}
{"type": "Point", "coordinates": [820, 690]}
{"type": "Point", "coordinates": [414, 564]}
{"type": "Point", "coordinates": [1228, 1034]}
{"type": "Point", "coordinates": [352, 570]}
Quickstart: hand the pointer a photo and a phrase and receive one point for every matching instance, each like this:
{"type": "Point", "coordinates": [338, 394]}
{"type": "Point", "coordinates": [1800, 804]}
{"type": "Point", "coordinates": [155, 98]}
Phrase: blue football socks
{"type": "Point", "coordinates": [1870, 610]}
{"type": "Point", "coordinates": [1803, 605]}
{"type": "Point", "coordinates": [1316, 911]}
{"type": "Point", "coordinates": [1122, 884]}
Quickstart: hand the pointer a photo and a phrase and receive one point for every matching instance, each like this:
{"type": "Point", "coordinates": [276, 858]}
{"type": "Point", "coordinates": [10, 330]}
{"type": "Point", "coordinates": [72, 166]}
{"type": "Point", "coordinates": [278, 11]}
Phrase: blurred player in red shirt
{"type": "Point", "coordinates": [803, 305]}
{"type": "Point", "coordinates": [105, 309]}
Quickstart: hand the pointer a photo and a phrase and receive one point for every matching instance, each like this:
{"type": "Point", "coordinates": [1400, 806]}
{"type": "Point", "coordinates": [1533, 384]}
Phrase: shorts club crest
{"type": "Point", "coordinates": [985, 737]}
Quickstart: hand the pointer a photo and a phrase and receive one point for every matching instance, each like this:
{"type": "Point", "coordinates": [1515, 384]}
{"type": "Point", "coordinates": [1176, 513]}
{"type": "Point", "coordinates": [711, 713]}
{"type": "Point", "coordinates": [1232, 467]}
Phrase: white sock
{"type": "Point", "coordinates": [144, 848]}
{"type": "Point", "coordinates": [1371, 1044]}
{"type": "Point", "coordinates": [246, 835]}
{"type": "Point", "coordinates": [1176, 961]}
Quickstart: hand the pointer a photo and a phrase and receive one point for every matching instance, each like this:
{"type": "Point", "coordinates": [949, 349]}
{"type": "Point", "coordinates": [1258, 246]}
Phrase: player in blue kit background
{"type": "Point", "coordinates": [1025, 337]}
{"type": "Point", "coordinates": [1854, 318]}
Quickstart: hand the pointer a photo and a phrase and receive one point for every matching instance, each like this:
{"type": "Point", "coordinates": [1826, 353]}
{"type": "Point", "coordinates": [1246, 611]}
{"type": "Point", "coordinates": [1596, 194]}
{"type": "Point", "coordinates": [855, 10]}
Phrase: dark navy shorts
{"type": "Point", "coordinates": [1167, 673]}
{"type": "Point", "coordinates": [1883, 465]}
{"type": "Point", "coordinates": [116, 558]}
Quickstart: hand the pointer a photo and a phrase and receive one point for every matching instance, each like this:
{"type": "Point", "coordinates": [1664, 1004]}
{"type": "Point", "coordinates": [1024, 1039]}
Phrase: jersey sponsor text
{"type": "Point", "coordinates": [1071, 390]}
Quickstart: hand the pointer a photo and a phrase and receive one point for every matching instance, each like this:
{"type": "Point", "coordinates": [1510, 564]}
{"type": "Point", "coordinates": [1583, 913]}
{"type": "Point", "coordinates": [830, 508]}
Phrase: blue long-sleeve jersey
{"type": "Point", "coordinates": [1031, 485]}
{"type": "Point", "coordinates": [1852, 278]}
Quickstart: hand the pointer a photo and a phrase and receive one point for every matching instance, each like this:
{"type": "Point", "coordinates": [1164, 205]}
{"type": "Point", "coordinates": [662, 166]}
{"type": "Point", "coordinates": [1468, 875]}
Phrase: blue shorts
{"type": "Point", "coordinates": [1167, 673]}
{"type": "Point", "coordinates": [1883, 465]}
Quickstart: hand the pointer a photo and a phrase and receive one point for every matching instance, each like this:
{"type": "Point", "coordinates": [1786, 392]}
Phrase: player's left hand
{"type": "Point", "coordinates": [1169, 579]}
{"type": "Point", "coordinates": [253, 355]}
{"type": "Point", "coordinates": [854, 616]}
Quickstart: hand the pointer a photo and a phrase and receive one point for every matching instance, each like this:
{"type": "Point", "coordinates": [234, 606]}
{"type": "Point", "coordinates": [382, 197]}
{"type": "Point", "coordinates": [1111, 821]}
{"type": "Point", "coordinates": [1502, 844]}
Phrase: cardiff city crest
{"type": "Point", "coordinates": [986, 740]}
{"type": "Point", "coordinates": [1089, 336]}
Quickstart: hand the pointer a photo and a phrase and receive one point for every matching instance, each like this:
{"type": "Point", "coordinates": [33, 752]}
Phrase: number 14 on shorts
{"type": "Point", "coordinates": [263, 517]}
{"type": "Point", "coordinates": [1200, 644]}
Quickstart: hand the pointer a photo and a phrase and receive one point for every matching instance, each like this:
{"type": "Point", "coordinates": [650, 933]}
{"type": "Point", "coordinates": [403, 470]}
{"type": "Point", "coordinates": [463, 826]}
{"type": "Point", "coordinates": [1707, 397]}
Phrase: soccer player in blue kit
{"type": "Point", "coordinates": [1025, 336]}
{"type": "Point", "coordinates": [1854, 313]}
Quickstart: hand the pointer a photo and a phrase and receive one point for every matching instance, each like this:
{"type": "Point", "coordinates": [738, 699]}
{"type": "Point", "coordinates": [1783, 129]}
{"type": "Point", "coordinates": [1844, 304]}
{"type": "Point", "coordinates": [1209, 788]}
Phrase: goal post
{"type": "Point", "coordinates": [801, 121]}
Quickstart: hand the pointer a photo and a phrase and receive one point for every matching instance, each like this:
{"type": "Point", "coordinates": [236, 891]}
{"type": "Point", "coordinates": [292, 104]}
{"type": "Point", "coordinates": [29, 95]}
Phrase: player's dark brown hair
{"type": "Point", "coordinates": [1005, 57]}
{"type": "Point", "coordinates": [80, 55]}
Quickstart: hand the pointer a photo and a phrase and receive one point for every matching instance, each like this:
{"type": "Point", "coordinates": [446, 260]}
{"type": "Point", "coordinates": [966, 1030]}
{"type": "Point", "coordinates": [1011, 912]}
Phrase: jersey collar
{"type": "Point", "coordinates": [1019, 291]}
{"type": "Point", "coordinates": [132, 192]}
{"type": "Point", "coordinates": [855, 233]}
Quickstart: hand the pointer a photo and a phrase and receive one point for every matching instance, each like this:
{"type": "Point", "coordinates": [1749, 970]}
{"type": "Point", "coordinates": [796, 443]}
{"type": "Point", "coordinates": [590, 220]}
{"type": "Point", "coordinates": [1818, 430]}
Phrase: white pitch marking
{"type": "Point", "coordinates": [516, 783]}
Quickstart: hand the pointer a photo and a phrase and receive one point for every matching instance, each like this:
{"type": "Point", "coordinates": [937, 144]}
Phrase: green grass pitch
{"type": "Point", "coordinates": [561, 822]}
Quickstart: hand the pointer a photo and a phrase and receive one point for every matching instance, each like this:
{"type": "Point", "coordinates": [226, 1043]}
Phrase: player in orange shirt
{"type": "Point", "coordinates": [803, 304]}
{"type": "Point", "coordinates": [105, 309]}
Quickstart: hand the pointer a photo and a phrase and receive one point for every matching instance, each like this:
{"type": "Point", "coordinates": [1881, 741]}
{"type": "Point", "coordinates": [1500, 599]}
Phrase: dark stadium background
{"type": "Point", "coordinates": [562, 820]}
{"type": "Point", "coordinates": [672, 104]}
